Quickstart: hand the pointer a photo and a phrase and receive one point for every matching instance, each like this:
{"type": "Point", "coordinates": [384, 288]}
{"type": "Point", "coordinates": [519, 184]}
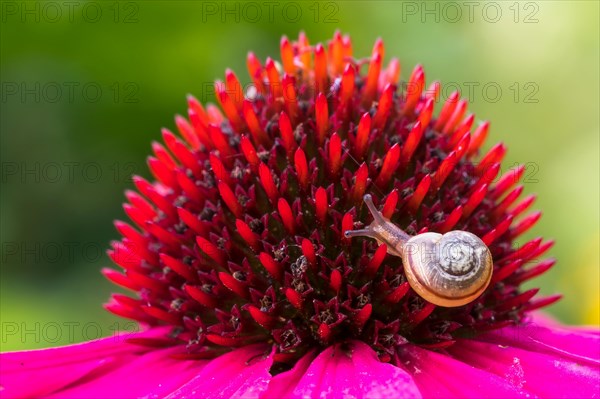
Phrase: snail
{"type": "Point", "coordinates": [448, 270]}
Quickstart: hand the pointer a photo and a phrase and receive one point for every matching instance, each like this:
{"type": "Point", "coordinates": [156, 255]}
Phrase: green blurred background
{"type": "Point", "coordinates": [86, 87]}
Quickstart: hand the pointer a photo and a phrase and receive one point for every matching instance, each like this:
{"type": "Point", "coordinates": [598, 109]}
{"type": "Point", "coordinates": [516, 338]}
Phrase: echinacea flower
{"type": "Point", "coordinates": [247, 285]}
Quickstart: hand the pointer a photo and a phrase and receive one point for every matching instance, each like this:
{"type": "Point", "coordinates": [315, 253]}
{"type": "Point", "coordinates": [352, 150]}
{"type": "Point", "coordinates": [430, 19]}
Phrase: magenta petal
{"type": "Point", "coordinates": [540, 374]}
{"type": "Point", "coordinates": [349, 370]}
{"type": "Point", "coordinates": [243, 373]}
{"type": "Point", "coordinates": [112, 368]}
{"type": "Point", "coordinates": [55, 368]}
{"type": "Point", "coordinates": [527, 360]}
{"type": "Point", "coordinates": [282, 385]}
{"type": "Point", "coordinates": [152, 374]}
{"type": "Point", "coordinates": [381, 380]}
{"type": "Point", "coordinates": [438, 375]}
{"type": "Point", "coordinates": [577, 344]}
{"type": "Point", "coordinates": [546, 361]}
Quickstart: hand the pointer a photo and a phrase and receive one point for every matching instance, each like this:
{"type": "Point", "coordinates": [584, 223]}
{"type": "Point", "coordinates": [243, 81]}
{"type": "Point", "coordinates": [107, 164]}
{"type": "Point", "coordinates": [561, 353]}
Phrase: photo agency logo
{"type": "Point", "coordinates": [53, 252]}
{"type": "Point", "coordinates": [270, 11]}
{"type": "Point", "coordinates": [65, 331]}
{"type": "Point", "coordinates": [68, 172]}
{"type": "Point", "coordinates": [126, 12]}
{"type": "Point", "coordinates": [470, 11]}
{"type": "Point", "coordinates": [70, 92]}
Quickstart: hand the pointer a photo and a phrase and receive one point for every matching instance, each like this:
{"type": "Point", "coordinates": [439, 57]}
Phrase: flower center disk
{"type": "Point", "coordinates": [240, 237]}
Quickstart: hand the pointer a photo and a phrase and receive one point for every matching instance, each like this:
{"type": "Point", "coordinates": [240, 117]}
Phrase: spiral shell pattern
{"type": "Point", "coordinates": [447, 270]}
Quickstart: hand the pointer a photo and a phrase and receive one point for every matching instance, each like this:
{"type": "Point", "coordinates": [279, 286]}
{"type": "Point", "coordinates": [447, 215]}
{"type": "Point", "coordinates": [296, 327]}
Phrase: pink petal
{"type": "Point", "coordinates": [112, 368]}
{"type": "Point", "coordinates": [559, 341]}
{"type": "Point", "coordinates": [527, 360]}
{"type": "Point", "coordinates": [547, 360]}
{"type": "Point", "coordinates": [282, 384]}
{"type": "Point", "coordinates": [541, 374]}
{"type": "Point", "coordinates": [55, 368]}
{"type": "Point", "coordinates": [438, 375]}
{"type": "Point", "coordinates": [243, 373]}
{"type": "Point", "coordinates": [153, 374]}
{"type": "Point", "coordinates": [349, 370]}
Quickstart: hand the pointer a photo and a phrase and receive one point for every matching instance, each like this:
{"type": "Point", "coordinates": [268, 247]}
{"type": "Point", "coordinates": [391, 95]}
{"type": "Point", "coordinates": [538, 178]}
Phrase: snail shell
{"type": "Point", "coordinates": [447, 270]}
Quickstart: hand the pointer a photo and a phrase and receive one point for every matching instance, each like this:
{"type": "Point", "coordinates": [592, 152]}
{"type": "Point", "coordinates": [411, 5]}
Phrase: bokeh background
{"type": "Point", "coordinates": [87, 85]}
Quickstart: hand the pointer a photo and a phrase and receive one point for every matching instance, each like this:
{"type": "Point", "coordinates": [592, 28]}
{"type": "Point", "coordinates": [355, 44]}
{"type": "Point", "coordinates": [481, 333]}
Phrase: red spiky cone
{"type": "Point", "coordinates": [240, 238]}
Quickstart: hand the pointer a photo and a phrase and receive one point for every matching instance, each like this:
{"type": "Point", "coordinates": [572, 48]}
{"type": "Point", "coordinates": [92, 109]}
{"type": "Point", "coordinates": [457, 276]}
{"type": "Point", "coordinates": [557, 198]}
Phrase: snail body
{"type": "Point", "coordinates": [448, 270]}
